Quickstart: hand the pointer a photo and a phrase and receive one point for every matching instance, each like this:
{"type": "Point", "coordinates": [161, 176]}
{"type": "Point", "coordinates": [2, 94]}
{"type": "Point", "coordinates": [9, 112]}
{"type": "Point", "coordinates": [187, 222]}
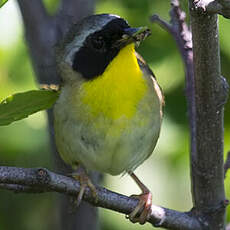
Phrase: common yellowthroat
{"type": "Point", "coordinates": [109, 112]}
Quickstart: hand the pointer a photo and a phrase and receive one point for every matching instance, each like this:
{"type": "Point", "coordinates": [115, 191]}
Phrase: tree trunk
{"type": "Point", "coordinates": [207, 166]}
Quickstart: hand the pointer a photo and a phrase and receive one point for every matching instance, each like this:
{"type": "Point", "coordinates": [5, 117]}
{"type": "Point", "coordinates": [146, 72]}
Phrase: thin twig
{"type": "Point", "coordinates": [183, 37]}
{"type": "Point", "coordinates": [42, 180]}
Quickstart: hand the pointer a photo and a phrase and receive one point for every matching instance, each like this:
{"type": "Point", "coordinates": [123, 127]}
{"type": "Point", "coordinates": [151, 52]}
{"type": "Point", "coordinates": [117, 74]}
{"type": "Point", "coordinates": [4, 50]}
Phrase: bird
{"type": "Point", "coordinates": [109, 113]}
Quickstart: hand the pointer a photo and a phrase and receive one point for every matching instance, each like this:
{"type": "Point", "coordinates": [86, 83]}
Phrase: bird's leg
{"type": "Point", "coordinates": [143, 209]}
{"type": "Point", "coordinates": [81, 175]}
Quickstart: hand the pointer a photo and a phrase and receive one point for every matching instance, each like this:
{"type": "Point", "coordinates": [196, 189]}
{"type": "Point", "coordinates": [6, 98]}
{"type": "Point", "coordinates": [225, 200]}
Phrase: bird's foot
{"type": "Point", "coordinates": [84, 180]}
{"type": "Point", "coordinates": [142, 211]}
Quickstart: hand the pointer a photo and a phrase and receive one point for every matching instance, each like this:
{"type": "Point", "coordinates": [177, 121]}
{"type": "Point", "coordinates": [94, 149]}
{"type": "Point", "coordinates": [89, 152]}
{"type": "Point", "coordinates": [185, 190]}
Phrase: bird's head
{"type": "Point", "coordinates": [93, 42]}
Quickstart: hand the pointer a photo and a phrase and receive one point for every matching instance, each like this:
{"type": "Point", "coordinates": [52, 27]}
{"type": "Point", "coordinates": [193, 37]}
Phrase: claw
{"type": "Point", "coordinates": [142, 211]}
{"type": "Point", "coordinates": [85, 182]}
{"type": "Point", "coordinates": [143, 207]}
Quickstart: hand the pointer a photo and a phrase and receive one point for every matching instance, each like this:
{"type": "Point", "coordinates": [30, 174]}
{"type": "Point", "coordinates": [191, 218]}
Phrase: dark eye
{"type": "Point", "coordinates": [98, 42]}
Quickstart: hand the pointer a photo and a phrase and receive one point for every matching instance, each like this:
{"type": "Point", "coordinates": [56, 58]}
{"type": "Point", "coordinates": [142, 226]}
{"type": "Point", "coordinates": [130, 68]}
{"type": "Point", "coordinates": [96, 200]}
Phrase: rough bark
{"type": "Point", "coordinates": [207, 166]}
{"type": "Point", "coordinates": [207, 92]}
{"type": "Point", "coordinates": [42, 180]}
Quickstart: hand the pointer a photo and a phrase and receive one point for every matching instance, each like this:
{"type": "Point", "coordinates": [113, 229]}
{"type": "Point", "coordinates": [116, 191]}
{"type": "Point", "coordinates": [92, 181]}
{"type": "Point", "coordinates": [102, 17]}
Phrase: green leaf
{"type": "Point", "coordinates": [2, 2]}
{"type": "Point", "coordinates": [21, 105]}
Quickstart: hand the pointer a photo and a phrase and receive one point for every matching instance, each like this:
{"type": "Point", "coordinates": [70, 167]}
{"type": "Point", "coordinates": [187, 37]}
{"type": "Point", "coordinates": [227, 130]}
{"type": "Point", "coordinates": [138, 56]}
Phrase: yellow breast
{"type": "Point", "coordinates": [118, 90]}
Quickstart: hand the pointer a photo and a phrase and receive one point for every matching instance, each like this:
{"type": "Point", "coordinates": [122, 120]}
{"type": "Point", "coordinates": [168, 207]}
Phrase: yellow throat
{"type": "Point", "coordinates": [117, 92]}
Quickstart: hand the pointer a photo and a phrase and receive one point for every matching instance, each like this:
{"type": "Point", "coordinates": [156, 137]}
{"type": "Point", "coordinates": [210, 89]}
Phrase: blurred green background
{"type": "Point", "coordinates": [26, 144]}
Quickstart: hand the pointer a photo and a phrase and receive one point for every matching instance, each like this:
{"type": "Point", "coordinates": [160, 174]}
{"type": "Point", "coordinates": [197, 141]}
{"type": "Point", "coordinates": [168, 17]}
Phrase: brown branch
{"type": "Point", "coordinates": [42, 180]}
{"type": "Point", "coordinates": [17, 188]}
{"type": "Point", "coordinates": [207, 169]}
{"type": "Point", "coordinates": [213, 7]}
{"type": "Point", "coordinates": [178, 29]}
{"type": "Point", "coordinates": [205, 105]}
{"type": "Point", "coordinates": [183, 37]}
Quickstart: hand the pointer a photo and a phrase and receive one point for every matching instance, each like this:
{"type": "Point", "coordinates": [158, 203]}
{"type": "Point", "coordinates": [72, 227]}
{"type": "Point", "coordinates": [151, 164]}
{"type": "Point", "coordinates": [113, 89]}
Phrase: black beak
{"type": "Point", "coordinates": [133, 35]}
{"type": "Point", "coordinates": [138, 34]}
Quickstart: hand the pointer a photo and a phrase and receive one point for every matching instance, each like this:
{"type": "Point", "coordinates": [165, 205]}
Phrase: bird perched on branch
{"type": "Point", "coordinates": [109, 112]}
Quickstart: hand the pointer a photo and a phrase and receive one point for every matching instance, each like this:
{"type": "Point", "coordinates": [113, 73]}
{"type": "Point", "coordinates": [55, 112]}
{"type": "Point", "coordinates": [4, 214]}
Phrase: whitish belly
{"type": "Point", "coordinates": [105, 145]}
